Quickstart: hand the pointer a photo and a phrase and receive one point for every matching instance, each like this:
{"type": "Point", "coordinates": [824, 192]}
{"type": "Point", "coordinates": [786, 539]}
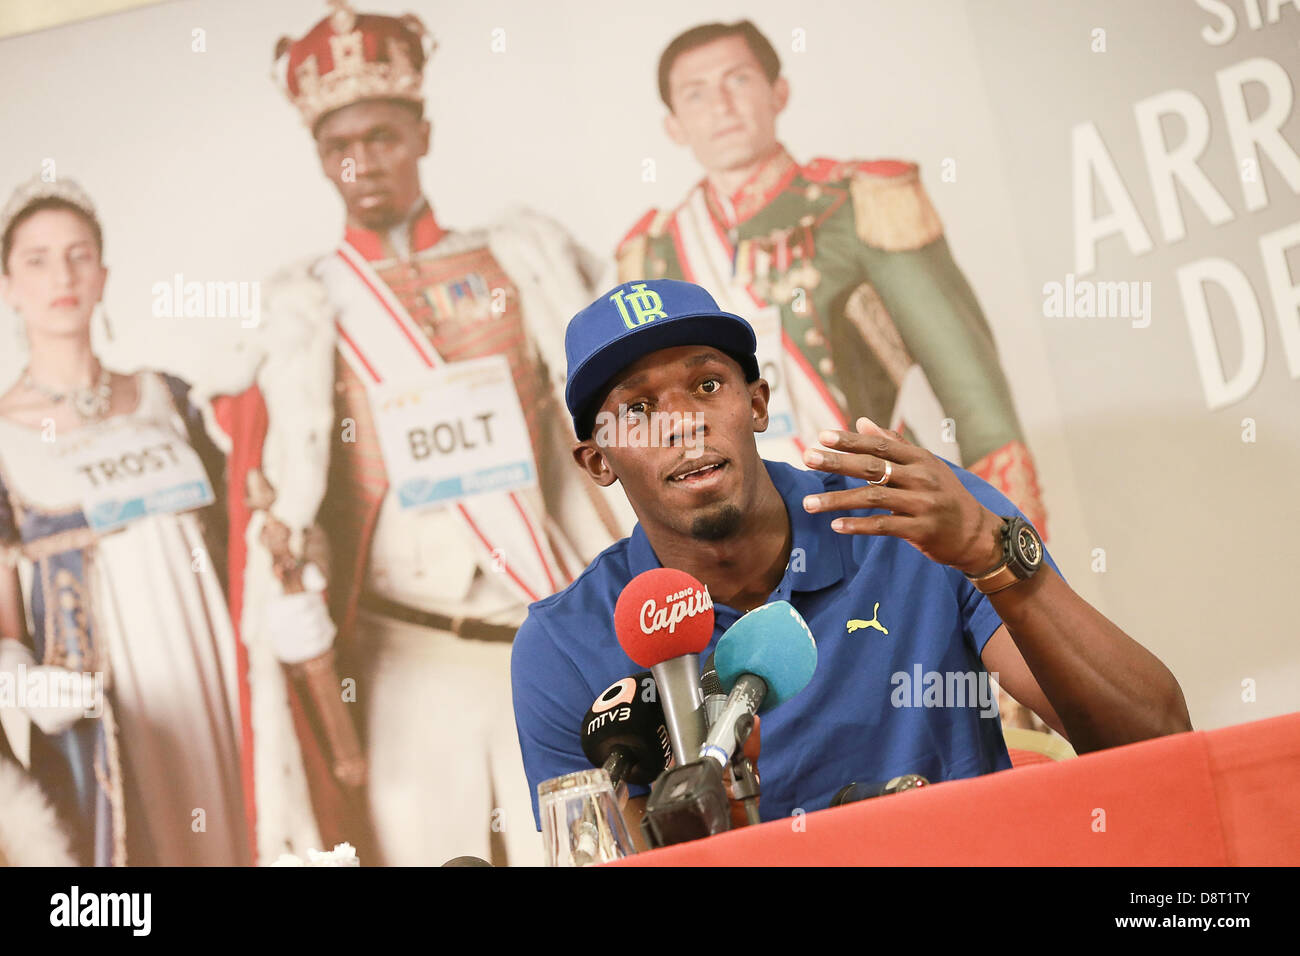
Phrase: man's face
{"type": "Point", "coordinates": [723, 106]}
{"type": "Point", "coordinates": [698, 485]}
{"type": "Point", "coordinates": [370, 151]}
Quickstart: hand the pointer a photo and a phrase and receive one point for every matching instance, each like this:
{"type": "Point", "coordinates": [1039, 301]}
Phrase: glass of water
{"type": "Point", "coordinates": [581, 820]}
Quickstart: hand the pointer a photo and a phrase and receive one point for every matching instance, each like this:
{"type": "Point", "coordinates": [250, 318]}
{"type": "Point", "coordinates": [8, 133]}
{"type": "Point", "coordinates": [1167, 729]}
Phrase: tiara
{"type": "Point", "coordinates": [36, 189]}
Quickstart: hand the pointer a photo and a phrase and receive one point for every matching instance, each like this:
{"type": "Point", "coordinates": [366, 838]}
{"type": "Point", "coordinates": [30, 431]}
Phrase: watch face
{"type": "Point", "coordinates": [1031, 551]}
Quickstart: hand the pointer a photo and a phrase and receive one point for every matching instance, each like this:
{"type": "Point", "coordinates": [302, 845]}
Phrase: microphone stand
{"type": "Point", "coordinates": [744, 776]}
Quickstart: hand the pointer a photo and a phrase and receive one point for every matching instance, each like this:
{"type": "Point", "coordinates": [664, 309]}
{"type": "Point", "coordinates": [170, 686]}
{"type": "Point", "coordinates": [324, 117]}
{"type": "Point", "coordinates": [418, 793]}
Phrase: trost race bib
{"type": "Point", "coordinates": [132, 470]}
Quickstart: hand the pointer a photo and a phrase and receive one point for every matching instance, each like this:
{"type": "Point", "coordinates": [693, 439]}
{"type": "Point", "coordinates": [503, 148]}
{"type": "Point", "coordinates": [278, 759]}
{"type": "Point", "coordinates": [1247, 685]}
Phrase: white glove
{"type": "Point", "coordinates": [15, 656]}
{"type": "Point", "coordinates": [69, 695]}
{"type": "Point", "coordinates": [299, 626]}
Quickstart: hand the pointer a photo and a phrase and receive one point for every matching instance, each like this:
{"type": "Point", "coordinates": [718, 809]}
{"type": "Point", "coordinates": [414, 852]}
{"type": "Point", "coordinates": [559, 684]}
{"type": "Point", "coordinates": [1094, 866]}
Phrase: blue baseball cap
{"type": "Point", "coordinates": [636, 318]}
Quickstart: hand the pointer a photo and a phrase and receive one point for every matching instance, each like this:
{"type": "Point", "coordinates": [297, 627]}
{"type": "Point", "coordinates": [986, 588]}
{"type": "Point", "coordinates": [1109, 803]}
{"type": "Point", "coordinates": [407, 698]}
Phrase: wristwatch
{"type": "Point", "coordinates": [1022, 555]}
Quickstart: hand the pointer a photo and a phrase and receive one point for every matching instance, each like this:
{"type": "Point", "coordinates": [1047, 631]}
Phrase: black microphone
{"type": "Point", "coordinates": [625, 733]}
{"type": "Point", "coordinates": [865, 791]}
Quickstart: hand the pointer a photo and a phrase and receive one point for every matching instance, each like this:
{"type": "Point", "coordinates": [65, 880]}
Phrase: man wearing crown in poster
{"type": "Point", "coordinates": [413, 416]}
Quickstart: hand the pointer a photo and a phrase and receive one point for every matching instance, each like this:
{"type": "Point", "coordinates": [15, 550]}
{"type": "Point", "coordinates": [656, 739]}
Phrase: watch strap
{"type": "Point", "coordinates": [1005, 573]}
{"type": "Point", "coordinates": [996, 580]}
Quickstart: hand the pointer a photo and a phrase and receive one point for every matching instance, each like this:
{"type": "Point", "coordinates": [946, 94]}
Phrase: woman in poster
{"type": "Point", "coordinates": [114, 629]}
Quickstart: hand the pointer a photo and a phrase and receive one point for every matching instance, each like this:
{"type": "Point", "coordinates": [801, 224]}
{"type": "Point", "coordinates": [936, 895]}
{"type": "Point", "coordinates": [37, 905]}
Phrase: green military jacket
{"type": "Point", "coordinates": [854, 257]}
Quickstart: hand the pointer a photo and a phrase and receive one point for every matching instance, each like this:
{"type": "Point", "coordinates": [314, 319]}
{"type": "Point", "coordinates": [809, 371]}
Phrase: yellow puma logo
{"type": "Point", "coordinates": [855, 624]}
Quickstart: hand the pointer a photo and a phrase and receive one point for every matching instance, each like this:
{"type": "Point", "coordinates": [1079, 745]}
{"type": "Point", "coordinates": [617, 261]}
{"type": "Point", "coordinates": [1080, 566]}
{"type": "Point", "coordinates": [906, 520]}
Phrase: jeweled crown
{"type": "Point", "coordinates": [350, 57]}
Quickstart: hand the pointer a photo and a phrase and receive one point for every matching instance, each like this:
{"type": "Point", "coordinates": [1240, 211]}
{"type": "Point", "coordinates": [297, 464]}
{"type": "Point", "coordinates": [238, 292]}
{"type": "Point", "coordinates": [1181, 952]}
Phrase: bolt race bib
{"type": "Point", "coordinates": [771, 365]}
{"type": "Point", "coordinates": [453, 432]}
{"type": "Point", "coordinates": [134, 470]}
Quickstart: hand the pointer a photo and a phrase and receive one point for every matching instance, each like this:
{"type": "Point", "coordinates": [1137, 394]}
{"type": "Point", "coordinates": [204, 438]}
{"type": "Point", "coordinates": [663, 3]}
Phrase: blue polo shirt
{"type": "Point", "coordinates": [913, 700]}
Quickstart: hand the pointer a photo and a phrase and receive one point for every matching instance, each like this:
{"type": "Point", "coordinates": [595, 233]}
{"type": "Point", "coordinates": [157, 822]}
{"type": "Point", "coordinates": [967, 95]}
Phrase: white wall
{"type": "Point", "coordinates": [200, 166]}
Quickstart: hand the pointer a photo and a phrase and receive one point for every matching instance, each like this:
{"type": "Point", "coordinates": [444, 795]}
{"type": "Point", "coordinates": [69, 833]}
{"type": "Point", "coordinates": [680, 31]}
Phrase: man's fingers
{"type": "Point", "coordinates": [896, 526]}
{"type": "Point", "coordinates": [880, 473]}
{"type": "Point", "coordinates": [855, 465]}
{"type": "Point", "coordinates": [865, 426]}
{"type": "Point", "coordinates": [897, 500]}
{"type": "Point", "coordinates": [875, 441]}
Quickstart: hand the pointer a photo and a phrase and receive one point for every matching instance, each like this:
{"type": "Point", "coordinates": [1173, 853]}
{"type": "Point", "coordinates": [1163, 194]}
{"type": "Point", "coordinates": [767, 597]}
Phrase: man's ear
{"type": "Point", "coordinates": [425, 133]}
{"type": "Point", "coordinates": [593, 461]}
{"type": "Point", "coordinates": [780, 93]}
{"type": "Point", "coordinates": [759, 395]}
{"type": "Point", "coordinates": [673, 127]}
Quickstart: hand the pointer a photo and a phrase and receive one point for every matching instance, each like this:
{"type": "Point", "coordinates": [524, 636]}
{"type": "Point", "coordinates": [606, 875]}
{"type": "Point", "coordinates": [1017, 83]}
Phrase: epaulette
{"type": "Point", "coordinates": [823, 170]}
{"type": "Point", "coordinates": [891, 209]}
{"type": "Point", "coordinates": [631, 251]}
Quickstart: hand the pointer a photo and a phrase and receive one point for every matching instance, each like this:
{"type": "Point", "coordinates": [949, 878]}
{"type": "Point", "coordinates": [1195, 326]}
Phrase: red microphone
{"type": "Point", "coordinates": [663, 619]}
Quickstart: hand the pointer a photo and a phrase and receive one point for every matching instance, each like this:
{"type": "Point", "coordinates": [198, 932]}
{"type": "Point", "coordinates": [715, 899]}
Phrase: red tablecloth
{"type": "Point", "coordinates": [1205, 798]}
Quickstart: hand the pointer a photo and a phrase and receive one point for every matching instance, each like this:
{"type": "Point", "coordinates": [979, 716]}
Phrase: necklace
{"type": "Point", "coordinates": [91, 403]}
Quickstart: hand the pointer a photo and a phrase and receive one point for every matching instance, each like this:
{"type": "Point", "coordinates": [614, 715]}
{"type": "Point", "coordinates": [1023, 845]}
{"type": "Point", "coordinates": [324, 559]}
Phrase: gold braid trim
{"type": "Point", "coordinates": [55, 654]}
{"type": "Point", "coordinates": [893, 212]}
{"type": "Point", "coordinates": [757, 193]}
{"type": "Point", "coordinates": [1010, 469]}
{"type": "Point", "coordinates": [116, 795]}
{"type": "Point", "coordinates": [110, 777]}
{"type": "Point", "coordinates": [868, 314]}
{"type": "Point", "coordinates": [73, 539]}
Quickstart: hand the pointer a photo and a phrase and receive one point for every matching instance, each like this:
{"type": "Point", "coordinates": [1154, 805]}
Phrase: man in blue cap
{"type": "Point", "coordinates": [917, 578]}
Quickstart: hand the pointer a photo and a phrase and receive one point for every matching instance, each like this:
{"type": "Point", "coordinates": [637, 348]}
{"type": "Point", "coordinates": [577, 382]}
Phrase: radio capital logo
{"type": "Point", "coordinates": [675, 609]}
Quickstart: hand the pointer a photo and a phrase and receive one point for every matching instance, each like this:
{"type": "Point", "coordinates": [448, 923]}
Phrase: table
{"type": "Point", "coordinates": [1227, 797]}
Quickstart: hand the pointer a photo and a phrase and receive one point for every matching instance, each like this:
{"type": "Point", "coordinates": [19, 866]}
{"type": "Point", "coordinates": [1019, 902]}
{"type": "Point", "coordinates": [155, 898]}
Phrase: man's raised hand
{"type": "Point", "coordinates": [929, 506]}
